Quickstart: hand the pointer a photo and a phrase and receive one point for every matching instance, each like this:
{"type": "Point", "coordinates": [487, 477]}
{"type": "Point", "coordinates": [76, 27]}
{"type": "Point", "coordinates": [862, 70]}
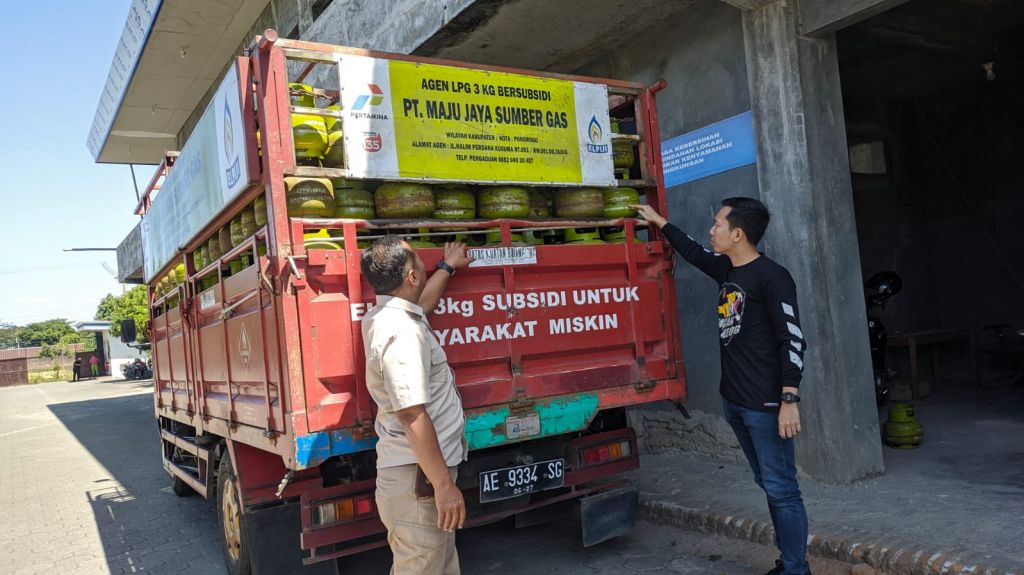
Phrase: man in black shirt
{"type": "Point", "coordinates": [762, 350]}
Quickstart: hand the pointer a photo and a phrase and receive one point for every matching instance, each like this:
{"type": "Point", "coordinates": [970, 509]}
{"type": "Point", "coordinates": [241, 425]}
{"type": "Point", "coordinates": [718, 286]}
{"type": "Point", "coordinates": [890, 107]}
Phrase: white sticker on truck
{"type": "Point", "coordinates": [503, 256]}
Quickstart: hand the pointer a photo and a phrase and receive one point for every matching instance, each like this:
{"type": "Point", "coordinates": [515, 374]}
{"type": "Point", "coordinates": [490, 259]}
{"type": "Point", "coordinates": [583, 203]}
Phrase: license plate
{"type": "Point", "coordinates": [512, 482]}
{"type": "Point", "coordinates": [518, 426]}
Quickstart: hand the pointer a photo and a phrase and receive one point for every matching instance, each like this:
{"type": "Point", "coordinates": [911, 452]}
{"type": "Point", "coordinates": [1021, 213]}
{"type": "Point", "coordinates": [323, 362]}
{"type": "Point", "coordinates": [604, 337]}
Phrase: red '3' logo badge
{"type": "Point", "coordinates": [372, 143]}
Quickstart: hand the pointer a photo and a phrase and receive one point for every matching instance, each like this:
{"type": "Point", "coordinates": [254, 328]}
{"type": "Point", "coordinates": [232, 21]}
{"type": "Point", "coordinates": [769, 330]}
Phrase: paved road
{"type": "Point", "coordinates": [82, 491]}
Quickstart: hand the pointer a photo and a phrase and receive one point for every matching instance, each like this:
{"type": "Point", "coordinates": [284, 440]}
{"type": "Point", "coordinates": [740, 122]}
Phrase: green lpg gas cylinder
{"type": "Point", "coordinates": [309, 197]}
{"type": "Point", "coordinates": [582, 236]}
{"type": "Point", "coordinates": [334, 155]}
{"type": "Point", "coordinates": [623, 154]}
{"type": "Point", "coordinates": [579, 203]}
{"type": "Point", "coordinates": [902, 431]}
{"type": "Point", "coordinates": [493, 237]}
{"type": "Point", "coordinates": [259, 206]}
{"type": "Point", "coordinates": [617, 202]}
{"type": "Point", "coordinates": [235, 228]}
{"type": "Point", "coordinates": [213, 248]}
{"type": "Point", "coordinates": [454, 203]}
{"type": "Point", "coordinates": [541, 204]}
{"type": "Point", "coordinates": [354, 203]}
{"type": "Point", "coordinates": [249, 225]}
{"type": "Point", "coordinates": [224, 239]}
{"type": "Point", "coordinates": [309, 132]}
{"type": "Point", "coordinates": [503, 202]}
{"type": "Point", "coordinates": [320, 240]}
{"type": "Point", "coordinates": [399, 200]}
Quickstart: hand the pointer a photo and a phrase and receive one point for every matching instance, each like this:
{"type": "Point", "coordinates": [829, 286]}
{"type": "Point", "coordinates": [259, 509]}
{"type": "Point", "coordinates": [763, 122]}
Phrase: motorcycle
{"type": "Point", "coordinates": [136, 370]}
{"type": "Point", "coordinates": [877, 290]}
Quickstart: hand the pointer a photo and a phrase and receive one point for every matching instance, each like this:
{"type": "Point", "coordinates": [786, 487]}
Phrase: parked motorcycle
{"type": "Point", "coordinates": [136, 370]}
{"type": "Point", "coordinates": [877, 289]}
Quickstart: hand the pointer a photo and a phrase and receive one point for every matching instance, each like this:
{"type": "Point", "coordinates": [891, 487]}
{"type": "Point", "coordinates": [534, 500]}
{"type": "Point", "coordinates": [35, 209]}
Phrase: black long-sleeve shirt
{"type": "Point", "coordinates": [762, 345]}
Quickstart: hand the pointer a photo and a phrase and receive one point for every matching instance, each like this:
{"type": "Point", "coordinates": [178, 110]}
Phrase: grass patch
{"type": "Point", "coordinates": [49, 375]}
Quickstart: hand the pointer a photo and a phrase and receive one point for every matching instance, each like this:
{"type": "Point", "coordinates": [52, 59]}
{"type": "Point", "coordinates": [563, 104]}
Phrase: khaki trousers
{"type": "Point", "coordinates": [417, 545]}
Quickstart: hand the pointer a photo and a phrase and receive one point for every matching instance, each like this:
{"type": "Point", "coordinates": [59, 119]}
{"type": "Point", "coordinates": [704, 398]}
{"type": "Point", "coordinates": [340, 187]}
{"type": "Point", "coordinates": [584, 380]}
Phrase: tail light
{"type": "Point", "coordinates": [341, 510]}
{"type": "Point", "coordinates": [605, 452]}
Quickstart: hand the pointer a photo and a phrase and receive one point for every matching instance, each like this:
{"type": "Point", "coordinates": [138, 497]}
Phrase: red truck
{"type": "Point", "coordinates": [257, 352]}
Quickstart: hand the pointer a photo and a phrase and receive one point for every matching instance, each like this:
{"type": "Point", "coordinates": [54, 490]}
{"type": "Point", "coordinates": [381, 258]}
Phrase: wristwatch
{"type": "Point", "coordinates": [442, 265]}
{"type": "Point", "coordinates": [789, 397]}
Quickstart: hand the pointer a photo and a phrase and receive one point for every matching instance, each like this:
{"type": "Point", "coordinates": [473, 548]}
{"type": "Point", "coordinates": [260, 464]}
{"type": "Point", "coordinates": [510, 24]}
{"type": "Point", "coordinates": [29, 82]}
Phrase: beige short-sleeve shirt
{"type": "Point", "coordinates": [406, 366]}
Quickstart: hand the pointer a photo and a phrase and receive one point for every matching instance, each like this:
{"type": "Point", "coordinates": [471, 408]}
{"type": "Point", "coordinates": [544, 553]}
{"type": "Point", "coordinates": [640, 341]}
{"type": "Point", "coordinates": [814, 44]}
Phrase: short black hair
{"type": "Point", "coordinates": [384, 263]}
{"type": "Point", "coordinates": [749, 215]}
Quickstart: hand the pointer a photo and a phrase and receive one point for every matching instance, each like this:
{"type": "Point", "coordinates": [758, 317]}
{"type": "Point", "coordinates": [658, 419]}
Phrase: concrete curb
{"type": "Point", "coordinates": [884, 554]}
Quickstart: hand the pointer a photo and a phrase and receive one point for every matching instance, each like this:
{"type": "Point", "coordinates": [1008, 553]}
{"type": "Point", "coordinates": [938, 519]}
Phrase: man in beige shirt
{"type": "Point", "coordinates": [419, 422]}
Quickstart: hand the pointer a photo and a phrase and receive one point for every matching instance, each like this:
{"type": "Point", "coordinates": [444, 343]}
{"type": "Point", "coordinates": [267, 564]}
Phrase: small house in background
{"type": "Point", "coordinates": [113, 353]}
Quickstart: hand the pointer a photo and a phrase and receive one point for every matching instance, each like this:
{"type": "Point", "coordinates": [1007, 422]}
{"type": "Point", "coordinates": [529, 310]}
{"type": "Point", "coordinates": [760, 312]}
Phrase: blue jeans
{"type": "Point", "coordinates": [773, 461]}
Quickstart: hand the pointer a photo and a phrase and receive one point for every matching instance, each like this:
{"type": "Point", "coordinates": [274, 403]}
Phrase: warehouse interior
{"type": "Point", "coordinates": [933, 92]}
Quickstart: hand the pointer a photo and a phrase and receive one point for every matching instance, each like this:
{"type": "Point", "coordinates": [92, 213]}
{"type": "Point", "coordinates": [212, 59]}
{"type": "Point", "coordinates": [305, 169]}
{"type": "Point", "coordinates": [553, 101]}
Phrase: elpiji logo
{"type": "Point", "coordinates": [234, 170]}
{"type": "Point", "coordinates": [596, 133]}
{"type": "Point", "coordinates": [375, 97]}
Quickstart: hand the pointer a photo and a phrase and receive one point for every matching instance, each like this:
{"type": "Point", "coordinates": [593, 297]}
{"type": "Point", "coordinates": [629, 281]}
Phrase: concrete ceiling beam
{"type": "Point", "coordinates": [750, 4]}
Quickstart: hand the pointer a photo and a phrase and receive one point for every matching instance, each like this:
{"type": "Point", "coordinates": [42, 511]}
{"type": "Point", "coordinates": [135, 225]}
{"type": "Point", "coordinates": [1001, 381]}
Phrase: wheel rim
{"type": "Point", "coordinates": [232, 521]}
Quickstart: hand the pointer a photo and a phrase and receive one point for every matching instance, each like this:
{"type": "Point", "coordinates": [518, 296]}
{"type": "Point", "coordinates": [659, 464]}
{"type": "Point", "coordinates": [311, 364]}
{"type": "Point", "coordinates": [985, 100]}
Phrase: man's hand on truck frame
{"type": "Point", "coordinates": [454, 255]}
{"type": "Point", "coordinates": [650, 215]}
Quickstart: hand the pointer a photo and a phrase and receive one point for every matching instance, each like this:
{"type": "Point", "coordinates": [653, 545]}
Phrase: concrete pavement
{"type": "Point", "coordinates": [955, 505]}
{"type": "Point", "coordinates": [82, 492]}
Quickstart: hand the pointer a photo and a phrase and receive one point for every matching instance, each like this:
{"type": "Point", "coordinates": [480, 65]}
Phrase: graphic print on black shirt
{"type": "Point", "coordinates": [730, 311]}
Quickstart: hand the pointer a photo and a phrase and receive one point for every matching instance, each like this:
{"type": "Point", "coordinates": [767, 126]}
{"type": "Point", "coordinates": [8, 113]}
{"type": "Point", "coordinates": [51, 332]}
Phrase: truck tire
{"type": "Point", "coordinates": [180, 488]}
{"type": "Point", "coordinates": [233, 524]}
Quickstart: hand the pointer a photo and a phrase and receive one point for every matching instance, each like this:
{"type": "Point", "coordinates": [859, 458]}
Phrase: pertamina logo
{"type": "Point", "coordinates": [596, 133]}
{"type": "Point", "coordinates": [234, 171]}
{"type": "Point", "coordinates": [374, 98]}
{"type": "Point", "coordinates": [244, 348]}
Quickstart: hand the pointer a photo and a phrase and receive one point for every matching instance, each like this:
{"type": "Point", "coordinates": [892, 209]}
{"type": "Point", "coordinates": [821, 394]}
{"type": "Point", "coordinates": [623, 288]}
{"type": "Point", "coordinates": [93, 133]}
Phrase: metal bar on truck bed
{"type": "Point", "coordinates": [316, 111]}
{"type": "Point", "coordinates": [229, 311]}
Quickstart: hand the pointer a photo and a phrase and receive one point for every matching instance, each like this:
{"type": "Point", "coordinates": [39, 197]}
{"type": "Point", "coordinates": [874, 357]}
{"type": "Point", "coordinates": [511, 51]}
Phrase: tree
{"type": "Point", "coordinates": [8, 335]}
{"type": "Point", "coordinates": [46, 332]}
{"type": "Point", "coordinates": [67, 345]}
{"type": "Point", "coordinates": [132, 305]}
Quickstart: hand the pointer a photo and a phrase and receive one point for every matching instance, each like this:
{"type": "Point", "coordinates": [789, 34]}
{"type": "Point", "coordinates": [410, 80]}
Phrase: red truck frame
{"type": "Point", "coordinates": [259, 391]}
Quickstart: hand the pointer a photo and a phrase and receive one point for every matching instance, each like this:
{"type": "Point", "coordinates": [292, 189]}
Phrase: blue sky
{"type": "Point", "coordinates": [52, 194]}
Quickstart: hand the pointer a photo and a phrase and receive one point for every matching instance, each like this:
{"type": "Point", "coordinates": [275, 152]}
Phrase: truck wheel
{"type": "Point", "coordinates": [180, 488]}
{"type": "Point", "coordinates": [235, 540]}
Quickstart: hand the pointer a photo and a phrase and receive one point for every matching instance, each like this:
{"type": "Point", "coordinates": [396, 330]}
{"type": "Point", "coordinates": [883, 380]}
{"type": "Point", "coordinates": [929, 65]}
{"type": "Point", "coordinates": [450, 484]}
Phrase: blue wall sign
{"type": "Point", "coordinates": [710, 150]}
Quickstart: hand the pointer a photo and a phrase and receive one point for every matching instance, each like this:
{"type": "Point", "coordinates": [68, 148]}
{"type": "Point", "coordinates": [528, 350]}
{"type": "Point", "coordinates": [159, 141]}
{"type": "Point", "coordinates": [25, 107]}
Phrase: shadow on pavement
{"type": "Point", "coordinates": [142, 524]}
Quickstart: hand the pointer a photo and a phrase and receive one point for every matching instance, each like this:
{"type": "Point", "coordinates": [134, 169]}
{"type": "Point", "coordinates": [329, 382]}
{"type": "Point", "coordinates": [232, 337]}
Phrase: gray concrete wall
{"type": "Point", "coordinates": [700, 54]}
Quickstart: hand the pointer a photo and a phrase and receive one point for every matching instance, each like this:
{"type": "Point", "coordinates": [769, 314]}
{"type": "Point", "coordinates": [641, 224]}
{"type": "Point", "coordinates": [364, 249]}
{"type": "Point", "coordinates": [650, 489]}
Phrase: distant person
{"type": "Point", "coordinates": [762, 350]}
{"type": "Point", "coordinates": [419, 421]}
{"type": "Point", "coordinates": [76, 369]}
{"type": "Point", "coordinates": [94, 365]}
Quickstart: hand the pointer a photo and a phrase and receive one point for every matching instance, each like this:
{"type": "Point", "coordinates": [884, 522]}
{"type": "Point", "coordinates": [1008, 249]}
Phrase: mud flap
{"type": "Point", "coordinates": [274, 538]}
{"type": "Point", "coordinates": [609, 514]}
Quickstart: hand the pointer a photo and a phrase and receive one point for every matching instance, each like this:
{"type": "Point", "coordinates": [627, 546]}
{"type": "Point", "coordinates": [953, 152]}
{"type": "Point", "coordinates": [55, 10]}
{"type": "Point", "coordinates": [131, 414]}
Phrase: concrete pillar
{"type": "Point", "coordinates": [804, 179]}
